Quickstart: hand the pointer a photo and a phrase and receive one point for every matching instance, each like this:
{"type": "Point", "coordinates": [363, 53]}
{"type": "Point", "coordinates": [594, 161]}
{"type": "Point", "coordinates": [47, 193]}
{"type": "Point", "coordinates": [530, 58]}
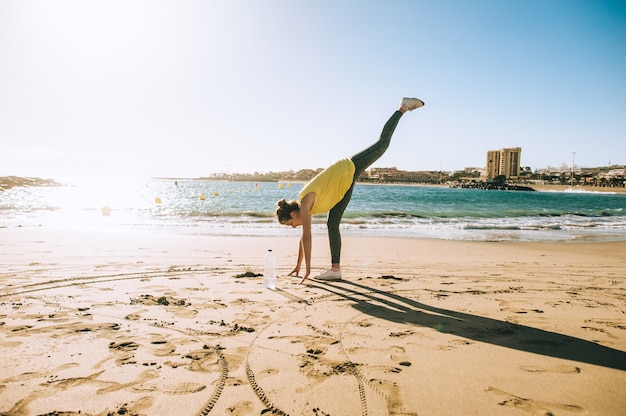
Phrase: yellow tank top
{"type": "Point", "coordinates": [330, 185]}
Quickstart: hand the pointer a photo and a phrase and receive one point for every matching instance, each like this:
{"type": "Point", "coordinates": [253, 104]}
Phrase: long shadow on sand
{"type": "Point", "coordinates": [395, 308]}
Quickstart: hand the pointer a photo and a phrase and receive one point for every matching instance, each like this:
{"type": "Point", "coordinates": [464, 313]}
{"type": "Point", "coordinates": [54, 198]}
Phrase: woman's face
{"type": "Point", "coordinates": [295, 220]}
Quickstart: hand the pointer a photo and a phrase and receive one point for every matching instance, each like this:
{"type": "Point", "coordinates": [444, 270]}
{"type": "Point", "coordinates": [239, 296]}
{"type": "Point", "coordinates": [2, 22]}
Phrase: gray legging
{"type": "Point", "coordinates": [362, 161]}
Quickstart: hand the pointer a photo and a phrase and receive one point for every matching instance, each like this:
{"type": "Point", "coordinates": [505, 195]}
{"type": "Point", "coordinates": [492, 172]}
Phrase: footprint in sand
{"type": "Point", "coordinates": [130, 408]}
{"type": "Point", "coordinates": [398, 356]}
{"type": "Point", "coordinates": [75, 381]}
{"type": "Point", "coordinates": [173, 389]}
{"type": "Point", "coordinates": [124, 346]}
{"type": "Point", "coordinates": [143, 377]}
{"type": "Point", "coordinates": [10, 344]}
{"type": "Point", "coordinates": [141, 405]}
{"type": "Point", "coordinates": [241, 409]}
{"type": "Point", "coordinates": [392, 393]}
{"type": "Point", "coordinates": [234, 382]}
{"type": "Point", "coordinates": [162, 347]}
{"type": "Point", "coordinates": [135, 316]}
{"type": "Point", "coordinates": [20, 328]}
{"type": "Point", "coordinates": [150, 300]}
{"type": "Point", "coordinates": [125, 351]}
{"type": "Point", "coordinates": [70, 328]}
{"type": "Point", "coordinates": [363, 324]}
{"type": "Point", "coordinates": [65, 367]}
{"type": "Point", "coordinates": [453, 344]}
{"type": "Point", "coordinates": [616, 324]}
{"type": "Point", "coordinates": [521, 310]}
{"type": "Point", "coordinates": [21, 407]}
{"type": "Point", "coordinates": [601, 330]}
{"type": "Point", "coordinates": [562, 369]}
{"type": "Point", "coordinates": [22, 377]}
{"type": "Point", "coordinates": [236, 359]}
{"type": "Point", "coordinates": [534, 407]}
{"type": "Point", "coordinates": [396, 353]}
{"type": "Point", "coordinates": [182, 311]}
{"type": "Point", "coordinates": [206, 360]}
{"type": "Point", "coordinates": [402, 334]}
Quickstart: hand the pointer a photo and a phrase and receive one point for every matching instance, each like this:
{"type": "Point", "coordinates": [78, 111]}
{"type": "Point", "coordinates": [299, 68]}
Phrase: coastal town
{"type": "Point", "coordinates": [502, 170]}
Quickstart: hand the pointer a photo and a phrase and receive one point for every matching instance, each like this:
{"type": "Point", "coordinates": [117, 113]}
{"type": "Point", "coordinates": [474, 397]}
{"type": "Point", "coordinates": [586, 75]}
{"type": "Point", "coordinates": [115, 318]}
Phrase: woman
{"type": "Point", "coordinates": [330, 191]}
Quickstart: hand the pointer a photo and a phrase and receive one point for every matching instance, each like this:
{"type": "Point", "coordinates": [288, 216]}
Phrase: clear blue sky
{"type": "Point", "coordinates": [187, 88]}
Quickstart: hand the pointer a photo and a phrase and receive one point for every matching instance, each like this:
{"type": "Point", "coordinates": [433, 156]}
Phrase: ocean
{"type": "Point", "coordinates": [207, 207]}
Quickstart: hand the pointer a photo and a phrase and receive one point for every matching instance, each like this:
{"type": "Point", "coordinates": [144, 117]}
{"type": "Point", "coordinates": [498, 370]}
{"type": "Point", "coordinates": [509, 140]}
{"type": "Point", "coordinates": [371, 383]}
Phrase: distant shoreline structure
{"type": "Point", "coordinates": [490, 186]}
{"type": "Point", "coordinates": [8, 182]}
{"type": "Point", "coordinates": [569, 188]}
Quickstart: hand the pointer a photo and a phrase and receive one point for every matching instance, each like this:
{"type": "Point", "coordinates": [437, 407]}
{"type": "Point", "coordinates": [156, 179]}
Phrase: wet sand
{"type": "Point", "coordinates": [96, 323]}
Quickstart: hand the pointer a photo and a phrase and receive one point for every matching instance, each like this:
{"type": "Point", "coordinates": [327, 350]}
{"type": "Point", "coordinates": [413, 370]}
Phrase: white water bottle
{"type": "Point", "coordinates": [269, 274]}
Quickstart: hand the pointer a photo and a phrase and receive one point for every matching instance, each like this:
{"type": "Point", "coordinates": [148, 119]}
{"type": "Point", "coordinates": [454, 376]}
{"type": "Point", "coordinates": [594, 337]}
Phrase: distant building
{"type": "Point", "coordinates": [504, 162]}
{"type": "Point", "coordinates": [393, 174]}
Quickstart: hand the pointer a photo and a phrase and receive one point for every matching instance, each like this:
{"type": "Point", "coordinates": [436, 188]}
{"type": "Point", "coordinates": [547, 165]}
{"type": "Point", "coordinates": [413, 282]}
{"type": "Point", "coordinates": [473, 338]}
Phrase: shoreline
{"type": "Point", "coordinates": [568, 188]}
{"type": "Point", "coordinates": [8, 182]}
{"type": "Point", "coordinates": [320, 232]}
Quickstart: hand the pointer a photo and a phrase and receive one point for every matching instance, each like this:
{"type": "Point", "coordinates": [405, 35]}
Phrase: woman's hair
{"type": "Point", "coordinates": [283, 212]}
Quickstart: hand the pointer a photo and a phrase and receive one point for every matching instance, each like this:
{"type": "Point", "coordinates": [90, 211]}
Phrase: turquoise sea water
{"type": "Point", "coordinates": [244, 208]}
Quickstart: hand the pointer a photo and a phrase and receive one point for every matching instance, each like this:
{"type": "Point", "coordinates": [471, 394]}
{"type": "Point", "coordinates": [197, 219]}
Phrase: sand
{"type": "Point", "coordinates": [112, 323]}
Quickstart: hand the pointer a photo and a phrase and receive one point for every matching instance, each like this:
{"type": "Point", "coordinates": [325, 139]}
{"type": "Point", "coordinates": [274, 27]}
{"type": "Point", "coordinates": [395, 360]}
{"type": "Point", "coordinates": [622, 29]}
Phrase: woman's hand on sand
{"type": "Point", "coordinates": [308, 272]}
{"type": "Point", "coordinates": [296, 273]}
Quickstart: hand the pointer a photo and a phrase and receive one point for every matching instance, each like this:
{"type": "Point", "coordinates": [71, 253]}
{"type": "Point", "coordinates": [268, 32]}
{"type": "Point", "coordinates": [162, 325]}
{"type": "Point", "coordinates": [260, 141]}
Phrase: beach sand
{"type": "Point", "coordinates": [112, 323]}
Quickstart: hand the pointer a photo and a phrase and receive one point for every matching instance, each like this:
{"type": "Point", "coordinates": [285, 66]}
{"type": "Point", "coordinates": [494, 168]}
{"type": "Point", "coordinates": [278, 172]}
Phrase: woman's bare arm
{"type": "Point", "coordinates": [306, 204]}
{"type": "Point", "coordinates": [296, 270]}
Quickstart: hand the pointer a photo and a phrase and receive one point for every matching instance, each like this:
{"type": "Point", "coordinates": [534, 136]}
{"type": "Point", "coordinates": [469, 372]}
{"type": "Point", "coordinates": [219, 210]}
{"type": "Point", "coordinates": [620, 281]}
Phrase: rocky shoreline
{"type": "Point", "coordinates": [493, 186]}
{"type": "Point", "coordinates": [8, 182]}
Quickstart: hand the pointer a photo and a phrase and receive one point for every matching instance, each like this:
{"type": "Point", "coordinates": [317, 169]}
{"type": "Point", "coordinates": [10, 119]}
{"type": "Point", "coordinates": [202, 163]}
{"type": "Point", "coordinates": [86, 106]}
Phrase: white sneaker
{"type": "Point", "coordinates": [412, 103]}
{"type": "Point", "coordinates": [329, 274]}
